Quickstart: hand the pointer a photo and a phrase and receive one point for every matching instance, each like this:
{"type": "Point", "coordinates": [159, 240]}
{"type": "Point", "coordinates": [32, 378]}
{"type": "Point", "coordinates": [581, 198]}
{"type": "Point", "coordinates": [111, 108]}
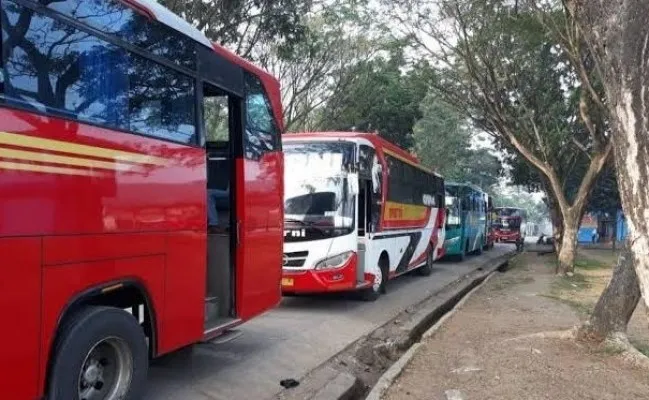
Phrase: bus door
{"type": "Point", "coordinates": [260, 204]}
{"type": "Point", "coordinates": [369, 199]}
{"type": "Point", "coordinates": [222, 116]}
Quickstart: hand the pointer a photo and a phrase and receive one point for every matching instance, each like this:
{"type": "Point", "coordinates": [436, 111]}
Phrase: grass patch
{"type": "Point", "coordinates": [505, 282]}
{"type": "Point", "coordinates": [590, 264]}
{"type": "Point", "coordinates": [582, 308]}
{"type": "Point", "coordinates": [515, 263]}
{"type": "Point", "coordinates": [570, 283]}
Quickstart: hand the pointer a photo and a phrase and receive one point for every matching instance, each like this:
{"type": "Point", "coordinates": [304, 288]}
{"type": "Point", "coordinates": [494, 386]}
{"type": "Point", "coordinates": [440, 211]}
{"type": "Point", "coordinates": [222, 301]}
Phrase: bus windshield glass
{"type": "Point", "coordinates": [318, 201]}
{"type": "Point", "coordinates": [508, 218]}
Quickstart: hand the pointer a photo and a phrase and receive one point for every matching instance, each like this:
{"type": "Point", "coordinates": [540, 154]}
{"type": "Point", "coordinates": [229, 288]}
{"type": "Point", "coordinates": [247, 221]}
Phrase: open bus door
{"type": "Point", "coordinates": [260, 208]}
{"type": "Point", "coordinates": [244, 190]}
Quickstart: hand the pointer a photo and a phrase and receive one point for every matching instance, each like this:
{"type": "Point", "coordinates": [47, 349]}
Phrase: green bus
{"type": "Point", "coordinates": [466, 221]}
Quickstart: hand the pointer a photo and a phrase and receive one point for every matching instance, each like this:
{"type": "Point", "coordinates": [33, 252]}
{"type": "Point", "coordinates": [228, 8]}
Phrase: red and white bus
{"type": "Point", "coordinates": [510, 225]}
{"type": "Point", "coordinates": [358, 211]}
{"type": "Point", "coordinates": [118, 121]}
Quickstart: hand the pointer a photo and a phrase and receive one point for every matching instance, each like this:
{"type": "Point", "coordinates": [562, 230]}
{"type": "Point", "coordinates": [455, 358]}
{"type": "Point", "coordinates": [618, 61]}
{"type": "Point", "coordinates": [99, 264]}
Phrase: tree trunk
{"type": "Point", "coordinates": [557, 232]}
{"type": "Point", "coordinates": [616, 304]}
{"type": "Point", "coordinates": [567, 251]}
{"type": "Point", "coordinates": [555, 218]}
{"type": "Point", "coordinates": [619, 36]}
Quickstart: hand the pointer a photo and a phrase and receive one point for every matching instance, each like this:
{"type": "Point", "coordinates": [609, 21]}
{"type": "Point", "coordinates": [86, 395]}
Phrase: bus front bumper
{"type": "Point", "coordinates": [320, 281]}
{"type": "Point", "coordinates": [513, 238]}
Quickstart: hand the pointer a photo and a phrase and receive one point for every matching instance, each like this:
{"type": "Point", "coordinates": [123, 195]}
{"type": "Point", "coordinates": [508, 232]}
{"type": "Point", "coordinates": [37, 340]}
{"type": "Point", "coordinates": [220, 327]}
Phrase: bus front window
{"type": "Point", "coordinates": [318, 202]}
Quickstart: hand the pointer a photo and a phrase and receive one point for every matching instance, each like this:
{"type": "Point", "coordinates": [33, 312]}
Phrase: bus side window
{"type": "Point", "coordinates": [262, 135]}
{"type": "Point", "coordinates": [216, 117]}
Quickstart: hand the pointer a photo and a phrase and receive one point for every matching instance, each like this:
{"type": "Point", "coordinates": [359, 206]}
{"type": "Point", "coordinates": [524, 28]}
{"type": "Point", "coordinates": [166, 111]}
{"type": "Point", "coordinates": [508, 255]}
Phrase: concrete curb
{"type": "Point", "coordinates": [392, 374]}
{"type": "Point", "coordinates": [427, 316]}
{"type": "Point", "coordinates": [388, 378]}
{"type": "Point", "coordinates": [327, 382]}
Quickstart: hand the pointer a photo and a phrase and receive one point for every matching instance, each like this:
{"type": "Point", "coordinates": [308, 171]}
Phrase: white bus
{"type": "Point", "coordinates": [358, 211]}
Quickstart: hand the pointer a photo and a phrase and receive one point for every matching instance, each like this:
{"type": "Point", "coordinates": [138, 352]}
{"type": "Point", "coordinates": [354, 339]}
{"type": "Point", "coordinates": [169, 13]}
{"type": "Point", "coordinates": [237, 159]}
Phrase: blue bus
{"type": "Point", "coordinates": [466, 222]}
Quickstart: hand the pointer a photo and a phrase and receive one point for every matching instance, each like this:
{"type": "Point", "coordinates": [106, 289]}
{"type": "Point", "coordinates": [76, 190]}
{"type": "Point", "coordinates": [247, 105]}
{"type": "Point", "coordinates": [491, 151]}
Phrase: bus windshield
{"type": "Point", "coordinates": [507, 223]}
{"type": "Point", "coordinates": [508, 218]}
{"type": "Point", "coordinates": [318, 200]}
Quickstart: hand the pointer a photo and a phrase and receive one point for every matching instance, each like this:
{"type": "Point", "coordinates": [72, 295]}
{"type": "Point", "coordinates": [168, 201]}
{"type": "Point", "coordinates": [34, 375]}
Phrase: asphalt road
{"type": "Point", "coordinates": [291, 340]}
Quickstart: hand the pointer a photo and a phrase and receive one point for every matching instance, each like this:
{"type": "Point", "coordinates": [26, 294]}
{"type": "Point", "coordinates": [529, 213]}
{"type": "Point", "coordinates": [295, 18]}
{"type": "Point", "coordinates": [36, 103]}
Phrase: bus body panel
{"type": "Point", "coordinates": [62, 283]}
{"type": "Point", "coordinates": [184, 291]}
{"type": "Point", "coordinates": [454, 244]}
{"type": "Point", "coordinates": [20, 290]}
{"type": "Point", "coordinates": [84, 179]}
{"type": "Point", "coordinates": [261, 222]}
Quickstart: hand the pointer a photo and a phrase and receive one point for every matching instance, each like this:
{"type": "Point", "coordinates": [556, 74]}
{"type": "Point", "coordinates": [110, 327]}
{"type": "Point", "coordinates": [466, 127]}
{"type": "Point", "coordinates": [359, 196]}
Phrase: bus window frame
{"type": "Point", "coordinates": [203, 54]}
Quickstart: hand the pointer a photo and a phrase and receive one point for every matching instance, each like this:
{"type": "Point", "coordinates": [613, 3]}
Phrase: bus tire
{"type": "Point", "coordinates": [99, 349]}
{"type": "Point", "coordinates": [373, 292]}
{"type": "Point", "coordinates": [427, 269]}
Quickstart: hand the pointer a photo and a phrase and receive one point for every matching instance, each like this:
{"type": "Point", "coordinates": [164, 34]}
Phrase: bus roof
{"type": "Point", "coordinates": [376, 140]}
{"type": "Point", "coordinates": [165, 16]}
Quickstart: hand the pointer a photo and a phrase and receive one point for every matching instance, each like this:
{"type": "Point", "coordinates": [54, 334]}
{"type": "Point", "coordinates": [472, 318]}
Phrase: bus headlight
{"type": "Point", "coordinates": [335, 261]}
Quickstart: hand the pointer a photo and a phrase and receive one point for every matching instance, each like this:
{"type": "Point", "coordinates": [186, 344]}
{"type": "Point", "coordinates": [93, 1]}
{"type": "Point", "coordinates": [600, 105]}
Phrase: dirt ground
{"type": "Point", "coordinates": [479, 354]}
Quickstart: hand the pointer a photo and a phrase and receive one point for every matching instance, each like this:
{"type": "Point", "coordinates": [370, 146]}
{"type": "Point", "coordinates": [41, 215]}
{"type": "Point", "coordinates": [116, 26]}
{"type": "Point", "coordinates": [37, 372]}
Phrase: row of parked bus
{"type": "Point", "coordinates": [143, 206]}
{"type": "Point", "coordinates": [360, 211]}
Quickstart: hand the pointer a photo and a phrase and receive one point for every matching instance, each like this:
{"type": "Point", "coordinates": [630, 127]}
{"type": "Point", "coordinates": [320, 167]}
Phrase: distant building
{"type": "Point", "coordinates": [602, 228]}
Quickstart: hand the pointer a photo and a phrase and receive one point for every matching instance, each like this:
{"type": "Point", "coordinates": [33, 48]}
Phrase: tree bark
{"type": "Point", "coordinates": [568, 248]}
{"type": "Point", "coordinates": [619, 35]}
{"type": "Point", "coordinates": [616, 304]}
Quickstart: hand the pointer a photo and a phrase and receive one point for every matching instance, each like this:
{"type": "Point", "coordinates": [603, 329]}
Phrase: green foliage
{"type": "Point", "coordinates": [381, 95]}
{"type": "Point", "coordinates": [443, 143]}
{"type": "Point", "coordinates": [337, 37]}
{"type": "Point", "coordinates": [242, 24]}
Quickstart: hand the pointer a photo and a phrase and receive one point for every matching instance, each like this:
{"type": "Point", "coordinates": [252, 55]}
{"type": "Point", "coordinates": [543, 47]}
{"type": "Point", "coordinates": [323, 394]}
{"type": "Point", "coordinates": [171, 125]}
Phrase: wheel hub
{"type": "Point", "coordinates": [93, 373]}
{"type": "Point", "coordinates": [378, 278]}
{"type": "Point", "coordinates": [107, 371]}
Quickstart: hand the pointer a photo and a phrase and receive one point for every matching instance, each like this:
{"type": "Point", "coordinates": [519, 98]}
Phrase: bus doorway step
{"type": "Point", "coordinates": [227, 336]}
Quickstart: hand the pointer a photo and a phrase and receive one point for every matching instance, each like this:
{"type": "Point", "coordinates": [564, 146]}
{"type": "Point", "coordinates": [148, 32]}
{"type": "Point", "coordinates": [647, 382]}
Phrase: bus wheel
{"type": "Point", "coordinates": [101, 353]}
{"type": "Point", "coordinates": [380, 282]}
{"type": "Point", "coordinates": [427, 269]}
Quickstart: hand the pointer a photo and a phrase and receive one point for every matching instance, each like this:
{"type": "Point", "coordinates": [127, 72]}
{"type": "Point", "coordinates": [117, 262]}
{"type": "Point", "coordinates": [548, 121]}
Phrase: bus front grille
{"type": "Point", "coordinates": [295, 259]}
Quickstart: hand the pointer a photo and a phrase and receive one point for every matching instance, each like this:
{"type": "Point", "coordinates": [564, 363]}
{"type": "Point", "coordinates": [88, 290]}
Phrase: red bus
{"type": "Point", "coordinates": [358, 211]}
{"type": "Point", "coordinates": [510, 225]}
{"type": "Point", "coordinates": [119, 122]}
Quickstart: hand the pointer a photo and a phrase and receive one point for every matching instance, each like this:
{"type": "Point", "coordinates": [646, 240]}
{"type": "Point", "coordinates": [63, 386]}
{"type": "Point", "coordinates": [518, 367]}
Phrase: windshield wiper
{"type": "Point", "coordinates": [308, 224]}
